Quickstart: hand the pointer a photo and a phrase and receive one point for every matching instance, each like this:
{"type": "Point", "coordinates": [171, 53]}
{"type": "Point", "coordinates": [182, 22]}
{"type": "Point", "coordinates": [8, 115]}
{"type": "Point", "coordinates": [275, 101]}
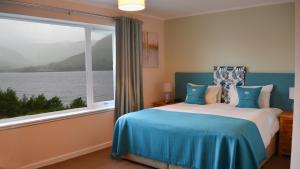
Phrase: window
{"type": "Point", "coordinates": [47, 67]}
{"type": "Point", "coordinates": [102, 65]}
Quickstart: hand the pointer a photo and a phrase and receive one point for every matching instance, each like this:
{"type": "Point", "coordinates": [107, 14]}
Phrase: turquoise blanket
{"type": "Point", "coordinates": [188, 140]}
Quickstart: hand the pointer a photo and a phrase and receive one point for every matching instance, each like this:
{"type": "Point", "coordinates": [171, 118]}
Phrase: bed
{"type": "Point", "coordinates": [266, 121]}
{"type": "Point", "coordinates": [248, 148]}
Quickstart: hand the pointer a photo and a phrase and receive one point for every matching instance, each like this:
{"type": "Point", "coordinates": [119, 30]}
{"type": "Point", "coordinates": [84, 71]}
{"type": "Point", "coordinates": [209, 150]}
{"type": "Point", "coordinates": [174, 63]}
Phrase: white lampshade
{"type": "Point", "coordinates": [291, 93]}
{"type": "Point", "coordinates": [131, 5]}
{"type": "Point", "coordinates": [167, 87]}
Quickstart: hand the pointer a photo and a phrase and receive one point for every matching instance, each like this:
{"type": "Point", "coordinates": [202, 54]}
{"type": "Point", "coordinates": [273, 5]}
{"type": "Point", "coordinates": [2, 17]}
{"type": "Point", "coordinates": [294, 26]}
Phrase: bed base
{"type": "Point", "coordinates": [271, 150]}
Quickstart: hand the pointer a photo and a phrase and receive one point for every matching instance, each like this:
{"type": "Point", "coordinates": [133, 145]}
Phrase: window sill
{"type": "Point", "coordinates": [48, 117]}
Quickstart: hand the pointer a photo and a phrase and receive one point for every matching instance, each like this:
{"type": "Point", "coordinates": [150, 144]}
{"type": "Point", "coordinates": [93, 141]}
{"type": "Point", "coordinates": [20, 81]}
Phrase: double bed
{"type": "Point", "coordinates": [210, 136]}
{"type": "Point", "coordinates": [146, 137]}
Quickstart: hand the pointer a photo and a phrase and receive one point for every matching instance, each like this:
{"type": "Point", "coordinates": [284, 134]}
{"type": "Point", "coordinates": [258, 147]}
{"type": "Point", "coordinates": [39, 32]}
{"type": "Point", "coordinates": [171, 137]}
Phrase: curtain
{"type": "Point", "coordinates": [129, 66]}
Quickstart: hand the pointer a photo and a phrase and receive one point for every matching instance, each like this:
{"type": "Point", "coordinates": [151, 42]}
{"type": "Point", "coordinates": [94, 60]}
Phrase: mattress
{"type": "Point", "coordinates": [265, 119]}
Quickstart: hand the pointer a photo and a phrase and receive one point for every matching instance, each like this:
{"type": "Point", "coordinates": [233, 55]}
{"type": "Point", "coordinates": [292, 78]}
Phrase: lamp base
{"type": "Point", "coordinates": [167, 97]}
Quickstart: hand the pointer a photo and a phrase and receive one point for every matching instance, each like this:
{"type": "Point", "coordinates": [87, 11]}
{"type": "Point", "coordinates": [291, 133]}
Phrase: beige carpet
{"type": "Point", "coordinates": [101, 160]}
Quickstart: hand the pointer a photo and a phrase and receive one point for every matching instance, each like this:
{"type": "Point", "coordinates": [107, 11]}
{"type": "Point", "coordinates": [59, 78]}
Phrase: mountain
{"type": "Point", "coordinates": [10, 59]}
{"type": "Point", "coordinates": [45, 53]}
{"type": "Point", "coordinates": [102, 60]}
{"type": "Point", "coordinates": [20, 54]}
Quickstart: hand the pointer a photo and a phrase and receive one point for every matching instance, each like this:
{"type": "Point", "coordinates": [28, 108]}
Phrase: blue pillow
{"type": "Point", "coordinates": [195, 94]}
{"type": "Point", "coordinates": [248, 97]}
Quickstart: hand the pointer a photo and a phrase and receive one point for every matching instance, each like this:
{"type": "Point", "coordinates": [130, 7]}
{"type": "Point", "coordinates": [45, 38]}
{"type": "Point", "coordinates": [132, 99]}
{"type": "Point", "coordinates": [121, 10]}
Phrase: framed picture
{"type": "Point", "coordinates": [150, 50]}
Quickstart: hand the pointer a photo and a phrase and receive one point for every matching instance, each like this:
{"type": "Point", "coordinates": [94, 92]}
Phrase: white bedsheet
{"type": "Point", "coordinates": [265, 119]}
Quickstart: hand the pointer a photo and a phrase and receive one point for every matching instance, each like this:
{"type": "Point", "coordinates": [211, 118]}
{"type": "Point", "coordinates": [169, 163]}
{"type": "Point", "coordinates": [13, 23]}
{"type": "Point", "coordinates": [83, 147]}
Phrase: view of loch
{"type": "Point", "coordinates": [43, 67]}
{"type": "Point", "coordinates": [65, 85]}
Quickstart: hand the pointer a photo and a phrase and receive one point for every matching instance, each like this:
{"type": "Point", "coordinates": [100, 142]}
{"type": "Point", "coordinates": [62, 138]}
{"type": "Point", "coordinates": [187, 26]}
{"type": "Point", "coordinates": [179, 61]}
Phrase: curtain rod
{"type": "Point", "coordinates": [53, 9]}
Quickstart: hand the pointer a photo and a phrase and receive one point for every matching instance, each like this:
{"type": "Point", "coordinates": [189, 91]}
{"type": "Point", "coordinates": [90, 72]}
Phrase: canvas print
{"type": "Point", "coordinates": [150, 50]}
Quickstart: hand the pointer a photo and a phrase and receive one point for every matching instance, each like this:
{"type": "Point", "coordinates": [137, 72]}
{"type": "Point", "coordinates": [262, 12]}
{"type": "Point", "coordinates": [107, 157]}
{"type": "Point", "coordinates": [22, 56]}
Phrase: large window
{"type": "Point", "coordinates": [46, 67]}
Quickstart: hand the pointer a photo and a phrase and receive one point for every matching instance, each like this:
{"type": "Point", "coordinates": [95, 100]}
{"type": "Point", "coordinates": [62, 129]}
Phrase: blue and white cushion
{"type": "Point", "coordinates": [229, 75]}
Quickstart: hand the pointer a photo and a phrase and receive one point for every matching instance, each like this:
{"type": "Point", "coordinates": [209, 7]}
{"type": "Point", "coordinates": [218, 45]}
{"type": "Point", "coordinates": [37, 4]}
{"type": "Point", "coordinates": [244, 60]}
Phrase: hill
{"type": "Point", "coordinates": [102, 60]}
{"type": "Point", "coordinates": [10, 59]}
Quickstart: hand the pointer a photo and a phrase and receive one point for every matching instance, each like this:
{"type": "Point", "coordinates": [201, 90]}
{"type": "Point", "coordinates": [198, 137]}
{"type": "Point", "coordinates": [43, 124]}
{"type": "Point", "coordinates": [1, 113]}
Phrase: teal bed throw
{"type": "Point", "coordinates": [196, 141]}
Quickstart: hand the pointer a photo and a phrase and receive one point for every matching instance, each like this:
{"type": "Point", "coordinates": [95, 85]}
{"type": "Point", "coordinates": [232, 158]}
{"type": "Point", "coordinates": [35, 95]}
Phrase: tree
{"type": "Point", "coordinates": [77, 103]}
{"type": "Point", "coordinates": [9, 103]}
{"type": "Point", "coordinates": [12, 106]}
{"type": "Point", "coordinates": [55, 104]}
{"type": "Point", "coordinates": [37, 104]}
{"type": "Point", "coordinates": [24, 107]}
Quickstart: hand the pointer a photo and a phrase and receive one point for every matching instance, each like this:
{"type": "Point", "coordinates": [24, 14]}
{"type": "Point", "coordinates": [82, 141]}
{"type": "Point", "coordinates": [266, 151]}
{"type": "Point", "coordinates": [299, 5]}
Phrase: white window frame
{"type": "Point", "coordinates": [89, 71]}
{"type": "Point", "coordinates": [92, 107]}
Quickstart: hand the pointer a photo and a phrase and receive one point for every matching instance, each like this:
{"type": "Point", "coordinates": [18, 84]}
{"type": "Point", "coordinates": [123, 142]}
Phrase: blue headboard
{"type": "Point", "coordinates": [279, 98]}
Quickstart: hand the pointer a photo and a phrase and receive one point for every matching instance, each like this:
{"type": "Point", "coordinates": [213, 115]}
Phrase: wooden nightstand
{"type": "Point", "coordinates": [161, 103]}
{"type": "Point", "coordinates": [285, 133]}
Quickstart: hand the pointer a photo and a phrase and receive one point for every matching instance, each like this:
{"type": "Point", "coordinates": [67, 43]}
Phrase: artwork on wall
{"type": "Point", "coordinates": [150, 50]}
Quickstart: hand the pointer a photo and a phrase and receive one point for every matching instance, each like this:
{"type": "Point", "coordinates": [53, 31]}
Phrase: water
{"type": "Point", "coordinates": [66, 85]}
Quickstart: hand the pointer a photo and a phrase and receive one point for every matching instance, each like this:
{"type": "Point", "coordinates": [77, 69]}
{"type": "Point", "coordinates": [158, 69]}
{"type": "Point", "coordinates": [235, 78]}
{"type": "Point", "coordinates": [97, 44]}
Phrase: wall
{"type": "Point", "coordinates": [45, 143]}
{"type": "Point", "coordinates": [261, 38]}
{"type": "Point", "coordinates": [295, 163]}
{"type": "Point", "coordinates": [37, 145]}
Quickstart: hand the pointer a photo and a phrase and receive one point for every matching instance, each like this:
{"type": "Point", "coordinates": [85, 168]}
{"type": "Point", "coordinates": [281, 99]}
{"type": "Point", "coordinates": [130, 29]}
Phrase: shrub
{"type": "Point", "coordinates": [12, 106]}
{"type": "Point", "coordinates": [9, 104]}
{"type": "Point", "coordinates": [55, 104]}
{"type": "Point", "coordinates": [37, 103]}
{"type": "Point", "coordinates": [77, 103]}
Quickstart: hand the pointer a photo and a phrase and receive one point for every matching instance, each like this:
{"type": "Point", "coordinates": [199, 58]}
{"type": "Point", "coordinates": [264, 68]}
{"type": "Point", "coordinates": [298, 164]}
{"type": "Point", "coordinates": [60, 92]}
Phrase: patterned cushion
{"type": "Point", "coordinates": [229, 75]}
{"type": "Point", "coordinates": [195, 94]}
{"type": "Point", "coordinates": [248, 97]}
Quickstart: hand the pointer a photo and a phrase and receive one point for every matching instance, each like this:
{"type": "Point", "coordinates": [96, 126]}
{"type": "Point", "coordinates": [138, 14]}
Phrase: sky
{"type": "Point", "coordinates": [35, 32]}
{"type": "Point", "coordinates": [30, 39]}
{"type": "Point", "coordinates": [39, 32]}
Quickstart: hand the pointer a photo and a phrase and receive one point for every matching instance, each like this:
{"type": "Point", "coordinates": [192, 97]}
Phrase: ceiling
{"type": "Point", "coordinates": [168, 9]}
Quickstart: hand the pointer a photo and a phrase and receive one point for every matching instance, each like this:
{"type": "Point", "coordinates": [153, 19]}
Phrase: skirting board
{"type": "Point", "coordinates": [67, 156]}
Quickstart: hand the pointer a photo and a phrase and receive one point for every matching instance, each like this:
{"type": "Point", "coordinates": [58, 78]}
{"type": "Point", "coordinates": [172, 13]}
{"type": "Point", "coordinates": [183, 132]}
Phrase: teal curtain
{"type": "Point", "coordinates": [129, 66]}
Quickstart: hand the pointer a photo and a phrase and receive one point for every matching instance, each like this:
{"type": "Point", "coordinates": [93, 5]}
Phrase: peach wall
{"type": "Point", "coordinates": [27, 146]}
{"type": "Point", "coordinates": [44, 143]}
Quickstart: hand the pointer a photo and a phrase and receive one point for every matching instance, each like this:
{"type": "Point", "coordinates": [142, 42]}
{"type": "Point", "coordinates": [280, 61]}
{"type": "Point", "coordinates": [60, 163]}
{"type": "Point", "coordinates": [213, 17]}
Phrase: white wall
{"type": "Point", "coordinates": [261, 38]}
{"type": "Point", "coordinates": [295, 163]}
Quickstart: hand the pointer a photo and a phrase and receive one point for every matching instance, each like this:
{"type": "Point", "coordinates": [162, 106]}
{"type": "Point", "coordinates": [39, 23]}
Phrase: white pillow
{"type": "Point", "coordinates": [263, 100]}
{"type": "Point", "coordinates": [220, 94]}
{"type": "Point", "coordinates": [213, 94]}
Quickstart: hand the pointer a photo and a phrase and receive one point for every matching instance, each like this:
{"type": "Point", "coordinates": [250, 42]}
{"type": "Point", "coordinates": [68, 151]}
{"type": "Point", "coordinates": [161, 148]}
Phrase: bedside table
{"type": "Point", "coordinates": [161, 103]}
{"type": "Point", "coordinates": [285, 133]}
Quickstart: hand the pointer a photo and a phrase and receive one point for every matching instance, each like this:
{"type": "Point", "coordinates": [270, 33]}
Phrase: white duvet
{"type": "Point", "coordinates": [265, 119]}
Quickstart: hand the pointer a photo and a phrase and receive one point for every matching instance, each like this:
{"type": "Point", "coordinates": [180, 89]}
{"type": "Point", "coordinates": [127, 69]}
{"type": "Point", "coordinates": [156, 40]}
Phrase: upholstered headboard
{"type": "Point", "coordinates": [279, 98]}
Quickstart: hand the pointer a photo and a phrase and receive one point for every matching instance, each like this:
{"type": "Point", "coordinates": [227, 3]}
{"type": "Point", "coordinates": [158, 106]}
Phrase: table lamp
{"type": "Point", "coordinates": [167, 89]}
{"type": "Point", "coordinates": [291, 93]}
